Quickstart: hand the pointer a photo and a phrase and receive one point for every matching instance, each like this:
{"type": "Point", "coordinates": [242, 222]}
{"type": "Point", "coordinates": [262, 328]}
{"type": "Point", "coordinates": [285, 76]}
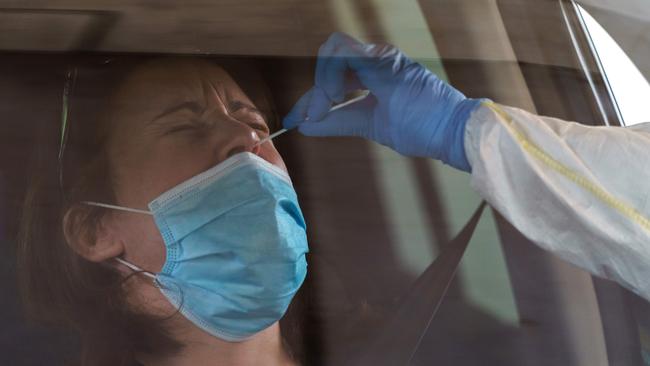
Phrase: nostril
{"type": "Point", "coordinates": [247, 144]}
{"type": "Point", "coordinates": [236, 138]}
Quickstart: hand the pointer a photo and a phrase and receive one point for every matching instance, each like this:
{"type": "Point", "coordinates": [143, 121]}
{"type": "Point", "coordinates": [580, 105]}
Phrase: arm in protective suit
{"type": "Point", "coordinates": [580, 192]}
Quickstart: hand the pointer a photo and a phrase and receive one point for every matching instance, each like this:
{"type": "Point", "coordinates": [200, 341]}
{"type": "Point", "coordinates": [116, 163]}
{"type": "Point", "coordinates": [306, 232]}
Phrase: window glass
{"type": "Point", "coordinates": [628, 86]}
{"type": "Point", "coordinates": [376, 219]}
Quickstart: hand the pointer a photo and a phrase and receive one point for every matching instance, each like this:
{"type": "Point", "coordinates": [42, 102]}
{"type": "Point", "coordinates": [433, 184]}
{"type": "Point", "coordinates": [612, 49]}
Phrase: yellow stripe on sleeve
{"type": "Point", "coordinates": [539, 154]}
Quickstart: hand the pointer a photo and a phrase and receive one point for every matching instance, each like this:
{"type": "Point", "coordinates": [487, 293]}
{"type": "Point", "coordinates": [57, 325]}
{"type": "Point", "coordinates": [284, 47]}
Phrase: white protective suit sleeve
{"type": "Point", "coordinates": [578, 191]}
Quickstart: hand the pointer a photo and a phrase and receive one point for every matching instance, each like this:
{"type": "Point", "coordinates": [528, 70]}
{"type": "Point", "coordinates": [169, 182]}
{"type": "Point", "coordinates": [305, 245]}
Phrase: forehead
{"type": "Point", "coordinates": [154, 83]}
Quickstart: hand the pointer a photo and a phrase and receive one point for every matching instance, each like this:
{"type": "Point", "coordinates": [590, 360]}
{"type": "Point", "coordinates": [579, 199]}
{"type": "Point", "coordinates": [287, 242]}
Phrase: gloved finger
{"type": "Point", "coordinates": [324, 52]}
{"type": "Point", "coordinates": [298, 112]}
{"type": "Point", "coordinates": [373, 64]}
{"type": "Point", "coordinates": [314, 104]}
{"type": "Point", "coordinates": [353, 120]}
{"type": "Point", "coordinates": [332, 65]}
{"type": "Point", "coordinates": [319, 104]}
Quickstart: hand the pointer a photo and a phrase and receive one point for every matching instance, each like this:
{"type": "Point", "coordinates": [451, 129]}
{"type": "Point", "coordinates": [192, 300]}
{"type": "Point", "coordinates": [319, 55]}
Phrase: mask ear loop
{"type": "Point", "coordinates": [153, 277]}
{"type": "Point", "coordinates": [137, 269]}
{"type": "Point", "coordinates": [157, 283]}
{"type": "Point", "coordinates": [119, 208]}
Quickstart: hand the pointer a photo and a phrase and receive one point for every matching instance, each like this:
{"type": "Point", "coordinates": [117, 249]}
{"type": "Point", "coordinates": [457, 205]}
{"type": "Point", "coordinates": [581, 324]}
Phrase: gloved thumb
{"type": "Point", "coordinates": [353, 120]}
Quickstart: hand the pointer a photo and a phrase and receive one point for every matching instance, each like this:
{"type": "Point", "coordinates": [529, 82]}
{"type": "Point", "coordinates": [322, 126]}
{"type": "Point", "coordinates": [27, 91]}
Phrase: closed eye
{"type": "Point", "coordinates": [258, 126]}
{"type": "Point", "coordinates": [183, 126]}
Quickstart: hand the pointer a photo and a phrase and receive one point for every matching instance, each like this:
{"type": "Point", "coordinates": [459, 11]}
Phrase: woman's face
{"type": "Point", "coordinates": [172, 120]}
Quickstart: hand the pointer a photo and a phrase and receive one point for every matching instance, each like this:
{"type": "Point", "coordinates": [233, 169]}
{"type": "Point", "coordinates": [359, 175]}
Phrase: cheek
{"type": "Point", "coordinates": [149, 174]}
{"type": "Point", "coordinates": [143, 243]}
{"type": "Point", "coordinates": [270, 154]}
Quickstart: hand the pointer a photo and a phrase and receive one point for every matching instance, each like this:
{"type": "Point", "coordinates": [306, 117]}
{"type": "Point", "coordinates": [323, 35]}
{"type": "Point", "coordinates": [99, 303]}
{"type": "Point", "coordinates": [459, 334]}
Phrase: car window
{"type": "Point", "coordinates": [627, 84]}
{"type": "Point", "coordinates": [376, 219]}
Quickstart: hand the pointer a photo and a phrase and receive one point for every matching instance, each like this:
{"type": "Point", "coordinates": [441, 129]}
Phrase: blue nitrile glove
{"type": "Point", "coordinates": [409, 110]}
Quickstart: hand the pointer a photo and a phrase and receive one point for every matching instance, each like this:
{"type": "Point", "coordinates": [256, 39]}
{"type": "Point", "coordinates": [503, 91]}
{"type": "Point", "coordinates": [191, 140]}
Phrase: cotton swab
{"type": "Point", "coordinates": [356, 99]}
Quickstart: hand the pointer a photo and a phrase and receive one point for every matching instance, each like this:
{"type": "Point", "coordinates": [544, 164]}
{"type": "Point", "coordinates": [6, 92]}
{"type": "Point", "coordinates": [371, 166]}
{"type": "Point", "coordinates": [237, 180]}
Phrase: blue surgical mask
{"type": "Point", "coordinates": [236, 244]}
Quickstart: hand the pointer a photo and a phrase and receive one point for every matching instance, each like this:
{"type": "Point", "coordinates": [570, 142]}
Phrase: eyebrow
{"type": "Point", "coordinates": [196, 108]}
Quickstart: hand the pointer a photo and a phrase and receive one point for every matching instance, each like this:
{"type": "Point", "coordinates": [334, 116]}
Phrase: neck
{"type": "Point", "coordinates": [200, 348]}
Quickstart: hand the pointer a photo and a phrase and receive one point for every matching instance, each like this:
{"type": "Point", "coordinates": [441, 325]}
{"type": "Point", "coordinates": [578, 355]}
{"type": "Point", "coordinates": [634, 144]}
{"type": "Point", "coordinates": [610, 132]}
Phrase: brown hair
{"type": "Point", "coordinates": [57, 284]}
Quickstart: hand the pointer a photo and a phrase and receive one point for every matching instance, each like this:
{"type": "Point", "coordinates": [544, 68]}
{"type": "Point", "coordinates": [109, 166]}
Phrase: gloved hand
{"type": "Point", "coordinates": [409, 109]}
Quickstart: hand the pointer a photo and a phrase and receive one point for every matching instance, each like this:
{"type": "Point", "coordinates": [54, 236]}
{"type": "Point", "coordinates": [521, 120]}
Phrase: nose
{"type": "Point", "coordinates": [233, 137]}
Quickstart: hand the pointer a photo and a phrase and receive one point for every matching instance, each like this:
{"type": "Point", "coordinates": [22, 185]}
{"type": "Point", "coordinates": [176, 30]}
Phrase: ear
{"type": "Point", "coordinates": [92, 234]}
